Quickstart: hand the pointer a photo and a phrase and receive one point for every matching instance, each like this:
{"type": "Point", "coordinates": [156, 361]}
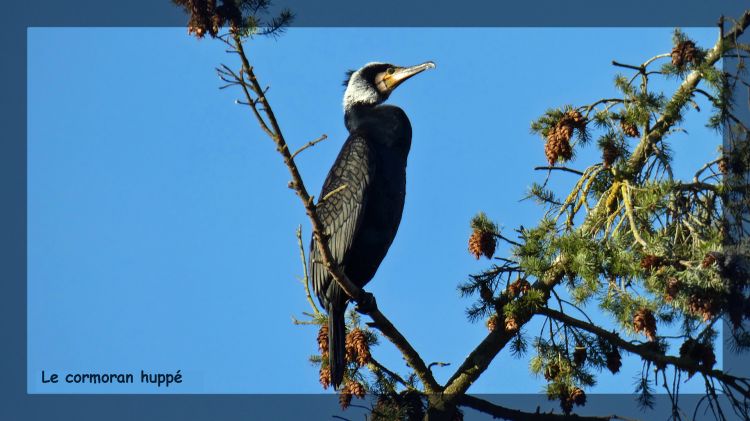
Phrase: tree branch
{"type": "Point", "coordinates": [645, 352]}
{"type": "Point", "coordinates": [502, 412]}
{"type": "Point", "coordinates": [681, 97]}
{"type": "Point", "coordinates": [560, 169]}
{"type": "Point", "coordinates": [481, 357]}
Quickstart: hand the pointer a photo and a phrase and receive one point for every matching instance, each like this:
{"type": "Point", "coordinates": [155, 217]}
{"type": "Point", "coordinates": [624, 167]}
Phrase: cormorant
{"type": "Point", "coordinates": [361, 219]}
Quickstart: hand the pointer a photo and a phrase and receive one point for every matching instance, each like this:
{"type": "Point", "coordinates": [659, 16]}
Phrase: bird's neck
{"type": "Point", "coordinates": [357, 116]}
{"type": "Point", "coordinates": [384, 124]}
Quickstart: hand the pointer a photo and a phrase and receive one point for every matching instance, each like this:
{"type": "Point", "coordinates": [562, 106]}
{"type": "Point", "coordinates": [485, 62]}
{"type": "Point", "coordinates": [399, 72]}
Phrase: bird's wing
{"type": "Point", "coordinates": [340, 208]}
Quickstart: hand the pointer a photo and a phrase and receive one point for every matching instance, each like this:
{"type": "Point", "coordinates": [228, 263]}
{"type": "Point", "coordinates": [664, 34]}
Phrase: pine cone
{"type": "Point", "coordinates": [609, 154]}
{"type": "Point", "coordinates": [201, 17]}
{"type": "Point", "coordinates": [558, 142]}
{"type": "Point", "coordinates": [482, 243]}
{"type": "Point", "coordinates": [687, 348]}
{"type": "Point", "coordinates": [651, 262]}
{"type": "Point", "coordinates": [323, 339]}
{"type": "Point", "coordinates": [492, 322]}
{"type": "Point", "coordinates": [614, 360]}
{"type": "Point", "coordinates": [645, 322]}
{"type": "Point", "coordinates": [579, 355]}
{"type": "Point", "coordinates": [514, 288]}
{"type": "Point", "coordinates": [708, 358]}
{"type": "Point", "coordinates": [357, 349]}
{"type": "Point", "coordinates": [355, 388]}
{"type": "Point", "coordinates": [704, 305]}
{"type": "Point", "coordinates": [325, 376]}
{"type": "Point", "coordinates": [629, 129]}
{"type": "Point", "coordinates": [578, 396]}
{"type": "Point", "coordinates": [673, 287]}
{"type": "Point", "coordinates": [699, 353]}
{"type": "Point", "coordinates": [575, 119]}
{"type": "Point", "coordinates": [345, 398]}
{"type": "Point", "coordinates": [511, 325]}
{"type": "Point", "coordinates": [684, 52]}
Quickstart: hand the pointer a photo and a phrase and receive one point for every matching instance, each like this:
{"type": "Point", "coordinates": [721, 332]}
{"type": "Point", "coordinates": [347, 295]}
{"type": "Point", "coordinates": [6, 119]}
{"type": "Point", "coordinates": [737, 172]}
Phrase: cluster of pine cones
{"type": "Point", "coordinates": [700, 353]}
{"type": "Point", "coordinates": [207, 18]}
{"type": "Point", "coordinates": [519, 286]}
{"type": "Point", "coordinates": [645, 322]}
{"type": "Point", "coordinates": [511, 324]}
{"type": "Point", "coordinates": [558, 136]}
{"type": "Point", "coordinates": [685, 52]}
{"type": "Point", "coordinates": [357, 350]}
{"type": "Point", "coordinates": [574, 395]}
{"type": "Point", "coordinates": [705, 305]}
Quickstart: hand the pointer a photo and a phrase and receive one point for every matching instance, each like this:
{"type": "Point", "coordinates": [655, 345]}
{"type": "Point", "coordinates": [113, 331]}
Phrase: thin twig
{"type": "Point", "coordinates": [560, 169]}
{"type": "Point", "coordinates": [305, 277]}
{"type": "Point", "coordinates": [334, 191]}
{"type": "Point", "coordinates": [309, 144]}
{"type": "Point", "coordinates": [390, 373]}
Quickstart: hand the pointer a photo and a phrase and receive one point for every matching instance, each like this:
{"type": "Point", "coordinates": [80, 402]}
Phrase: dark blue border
{"type": "Point", "coordinates": [19, 15]}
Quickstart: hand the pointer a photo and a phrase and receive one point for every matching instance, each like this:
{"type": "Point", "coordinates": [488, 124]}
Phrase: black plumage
{"type": "Point", "coordinates": [363, 195]}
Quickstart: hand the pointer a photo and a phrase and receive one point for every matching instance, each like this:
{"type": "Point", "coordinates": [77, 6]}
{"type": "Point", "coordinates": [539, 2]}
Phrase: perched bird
{"type": "Point", "coordinates": [363, 195]}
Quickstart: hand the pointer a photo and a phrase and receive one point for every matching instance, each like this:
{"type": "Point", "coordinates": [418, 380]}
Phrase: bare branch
{"type": "Point", "coordinates": [305, 277]}
{"type": "Point", "coordinates": [560, 169]}
{"type": "Point", "coordinates": [309, 144]}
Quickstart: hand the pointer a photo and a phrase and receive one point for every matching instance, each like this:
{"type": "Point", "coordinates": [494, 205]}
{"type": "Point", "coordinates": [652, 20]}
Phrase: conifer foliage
{"type": "Point", "coordinates": [652, 250]}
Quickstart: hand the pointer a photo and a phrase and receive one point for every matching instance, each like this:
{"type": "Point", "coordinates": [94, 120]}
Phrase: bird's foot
{"type": "Point", "coordinates": [366, 304]}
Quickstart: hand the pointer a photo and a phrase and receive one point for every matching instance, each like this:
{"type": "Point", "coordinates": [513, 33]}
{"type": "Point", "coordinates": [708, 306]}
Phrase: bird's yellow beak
{"type": "Point", "coordinates": [397, 75]}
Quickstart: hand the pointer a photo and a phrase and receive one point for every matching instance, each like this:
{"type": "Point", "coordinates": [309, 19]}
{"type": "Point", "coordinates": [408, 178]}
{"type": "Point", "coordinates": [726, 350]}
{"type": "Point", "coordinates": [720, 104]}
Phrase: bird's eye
{"type": "Point", "coordinates": [390, 70]}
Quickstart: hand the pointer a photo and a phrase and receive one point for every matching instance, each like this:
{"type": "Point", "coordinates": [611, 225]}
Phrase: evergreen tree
{"type": "Point", "coordinates": [629, 238]}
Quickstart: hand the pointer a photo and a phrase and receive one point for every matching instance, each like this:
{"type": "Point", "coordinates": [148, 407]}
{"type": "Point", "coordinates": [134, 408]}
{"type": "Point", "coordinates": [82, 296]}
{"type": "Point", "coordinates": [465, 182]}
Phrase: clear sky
{"type": "Point", "coordinates": [161, 231]}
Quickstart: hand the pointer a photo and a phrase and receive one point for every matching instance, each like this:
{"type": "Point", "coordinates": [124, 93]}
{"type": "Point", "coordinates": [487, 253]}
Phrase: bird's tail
{"type": "Point", "coordinates": [336, 344]}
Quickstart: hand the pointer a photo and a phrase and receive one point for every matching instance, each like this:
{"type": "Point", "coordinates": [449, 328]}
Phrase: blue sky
{"type": "Point", "coordinates": [161, 232]}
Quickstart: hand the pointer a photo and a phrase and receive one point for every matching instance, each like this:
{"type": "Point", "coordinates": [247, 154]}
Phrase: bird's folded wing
{"type": "Point", "coordinates": [340, 209]}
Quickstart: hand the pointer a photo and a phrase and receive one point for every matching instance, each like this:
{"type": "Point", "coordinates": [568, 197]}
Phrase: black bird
{"type": "Point", "coordinates": [363, 196]}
